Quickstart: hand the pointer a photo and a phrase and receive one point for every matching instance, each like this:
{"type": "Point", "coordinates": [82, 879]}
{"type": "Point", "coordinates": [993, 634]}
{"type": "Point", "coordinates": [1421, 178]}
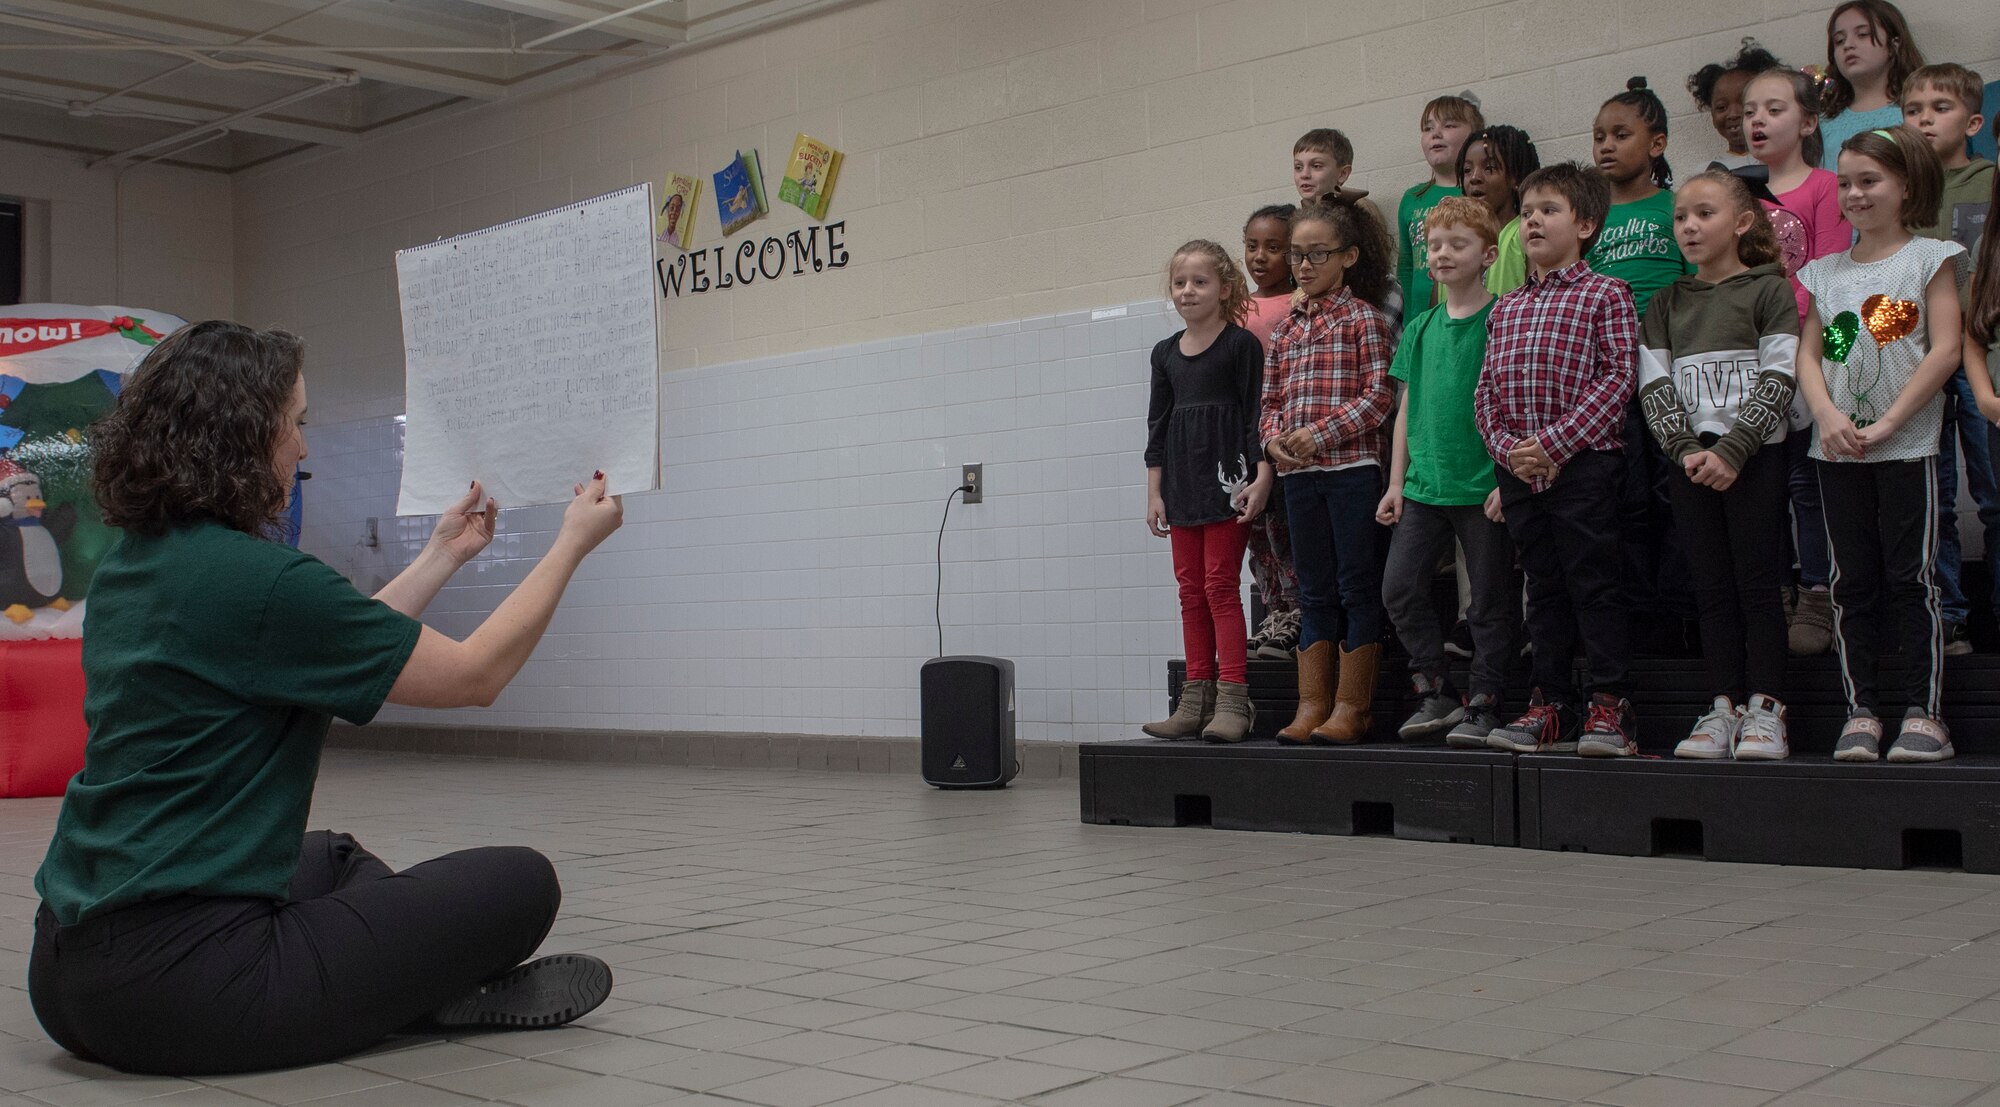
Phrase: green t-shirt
{"type": "Point", "coordinates": [1439, 359]}
{"type": "Point", "coordinates": [213, 664]}
{"type": "Point", "coordinates": [1413, 253]}
{"type": "Point", "coordinates": [1638, 247]}
{"type": "Point", "coordinates": [1510, 268]}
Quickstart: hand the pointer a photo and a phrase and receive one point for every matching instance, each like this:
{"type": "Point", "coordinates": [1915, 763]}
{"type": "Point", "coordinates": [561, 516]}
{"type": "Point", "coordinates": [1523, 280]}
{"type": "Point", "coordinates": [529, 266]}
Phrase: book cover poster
{"type": "Point", "coordinates": [739, 192]}
{"type": "Point", "coordinates": [809, 177]}
{"type": "Point", "coordinates": [675, 225]}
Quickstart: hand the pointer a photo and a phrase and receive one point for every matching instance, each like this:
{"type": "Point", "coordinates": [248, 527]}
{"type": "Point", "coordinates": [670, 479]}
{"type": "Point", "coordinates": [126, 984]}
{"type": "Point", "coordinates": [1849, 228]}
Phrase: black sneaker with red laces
{"type": "Point", "coordinates": [1544, 726]}
{"type": "Point", "coordinates": [1609, 730]}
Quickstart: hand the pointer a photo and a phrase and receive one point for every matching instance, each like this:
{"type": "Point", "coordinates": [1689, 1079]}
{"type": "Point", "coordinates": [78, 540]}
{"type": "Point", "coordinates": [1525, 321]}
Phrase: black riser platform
{"type": "Point", "coordinates": [1807, 811]}
{"type": "Point", "coordinates": [1423, 794]}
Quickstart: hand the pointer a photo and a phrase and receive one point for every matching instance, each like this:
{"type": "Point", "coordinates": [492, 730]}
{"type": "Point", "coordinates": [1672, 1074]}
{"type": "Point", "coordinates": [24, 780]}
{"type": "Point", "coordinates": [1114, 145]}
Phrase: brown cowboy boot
{"type": "Point", "coordinates": [1315, 693]}
{"type": "Point", "coordinates": [1350, 720]}
{"type": "Point", "coordinates": [1197, 706]}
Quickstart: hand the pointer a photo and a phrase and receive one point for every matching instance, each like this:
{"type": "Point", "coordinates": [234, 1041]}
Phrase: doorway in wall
{"type": "Point", "coordinates": [12, 228]}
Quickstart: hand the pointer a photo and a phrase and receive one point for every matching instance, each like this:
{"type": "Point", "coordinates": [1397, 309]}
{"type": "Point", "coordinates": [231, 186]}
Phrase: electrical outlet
{"type": "Point", "coordinates": [973, 479]}
{"type": "Point", "coordinates": [371, 534]}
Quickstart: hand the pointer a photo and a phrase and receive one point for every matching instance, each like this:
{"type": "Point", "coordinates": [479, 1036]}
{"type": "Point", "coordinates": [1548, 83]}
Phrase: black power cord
{"type": "Point", "coordinates": [940, 563]}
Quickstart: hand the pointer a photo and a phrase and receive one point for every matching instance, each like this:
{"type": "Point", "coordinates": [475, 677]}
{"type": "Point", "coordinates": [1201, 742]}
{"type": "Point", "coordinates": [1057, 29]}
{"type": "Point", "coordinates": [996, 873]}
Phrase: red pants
{"type": "Point", "coordinates": [1208, 563]}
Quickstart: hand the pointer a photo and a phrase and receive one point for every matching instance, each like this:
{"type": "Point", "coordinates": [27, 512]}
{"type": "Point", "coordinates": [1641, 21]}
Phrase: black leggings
{"type": "Point", "coordinates": [1735, 542]}
{"type": "Point", "coordinates": [197, 985]}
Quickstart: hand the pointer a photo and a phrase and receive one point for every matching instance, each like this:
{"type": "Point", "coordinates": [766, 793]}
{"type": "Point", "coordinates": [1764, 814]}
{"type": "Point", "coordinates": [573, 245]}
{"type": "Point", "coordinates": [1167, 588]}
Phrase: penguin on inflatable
{"type": "Point", "coordinates": [30, 563]}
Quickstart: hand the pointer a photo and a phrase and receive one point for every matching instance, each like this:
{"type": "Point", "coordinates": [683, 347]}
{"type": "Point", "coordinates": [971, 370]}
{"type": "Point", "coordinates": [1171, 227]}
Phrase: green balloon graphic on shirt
{"type": "Point", "coordinates": [1838, 338]}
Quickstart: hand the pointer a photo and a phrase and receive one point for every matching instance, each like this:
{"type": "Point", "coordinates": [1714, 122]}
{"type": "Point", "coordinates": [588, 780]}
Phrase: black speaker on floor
{"type": "Point", "coordinates": [968, 722]}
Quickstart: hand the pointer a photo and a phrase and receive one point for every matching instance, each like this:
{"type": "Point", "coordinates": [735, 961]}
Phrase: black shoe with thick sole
{"type": "Point", "coordinates": [549, 991]}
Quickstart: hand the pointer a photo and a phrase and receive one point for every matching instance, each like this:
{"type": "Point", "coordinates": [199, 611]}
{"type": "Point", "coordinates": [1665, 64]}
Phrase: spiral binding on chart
{"type": "Point", "coordinates": [642, 186]}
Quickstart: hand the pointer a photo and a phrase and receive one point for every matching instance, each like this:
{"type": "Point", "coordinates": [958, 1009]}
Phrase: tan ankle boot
{"type": "Point", "coordinates": [1197, 706]}
{"type": "Point", "coordinates": [1315, 693]}
{"type": "Point", "coordinates": [1234, 713]}
{"type": "Point", "coordinates": [1351, 717]}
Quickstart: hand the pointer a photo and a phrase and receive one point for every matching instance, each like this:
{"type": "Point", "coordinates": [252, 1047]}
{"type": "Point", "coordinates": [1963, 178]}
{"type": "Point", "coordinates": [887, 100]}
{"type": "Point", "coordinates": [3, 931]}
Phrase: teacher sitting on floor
{"type": "Point", "coordinates": [188, 924]}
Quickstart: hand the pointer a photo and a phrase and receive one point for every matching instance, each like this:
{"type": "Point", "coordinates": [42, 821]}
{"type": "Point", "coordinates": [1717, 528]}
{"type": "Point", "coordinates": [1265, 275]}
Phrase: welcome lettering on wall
{"type": "Point", "coordinates": [751, 260]}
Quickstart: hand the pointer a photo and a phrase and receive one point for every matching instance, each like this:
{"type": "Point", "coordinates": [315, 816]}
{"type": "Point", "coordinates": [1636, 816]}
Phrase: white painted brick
{"type": "Point", "coordinates": [1010, 147]}
{"type": "Point", "coordinates": [1063, 197]}
{"type": "Point", "coordinates": [965, 99]}
{"type": "Point", "coordinates": [926, 166]}
{"type": "Point", "coordinates": [1530, 35]}
{"type": "Point", "coordinates": [1202, 104]}
{"type": "Point", "coordinates": [1099, 128]}
{"type": "Point", "coordinates": [1244, 30]}
{"type": "Point", "coordinates": [1322, 78]}
{"type": "Point", "coordinates": [883, 119]}
{"type": "Point", "coordinates": [1137, 56]}
{"type": "Point", "coordinates": [1067, 73]}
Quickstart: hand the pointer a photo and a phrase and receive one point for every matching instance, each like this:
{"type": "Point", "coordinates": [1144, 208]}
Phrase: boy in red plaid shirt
{"type": "Point", "coordinates": [1561, 359]}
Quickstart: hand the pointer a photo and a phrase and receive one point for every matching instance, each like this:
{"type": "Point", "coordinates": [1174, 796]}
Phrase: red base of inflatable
{"type": "Point", "coordinates": [41, 716]}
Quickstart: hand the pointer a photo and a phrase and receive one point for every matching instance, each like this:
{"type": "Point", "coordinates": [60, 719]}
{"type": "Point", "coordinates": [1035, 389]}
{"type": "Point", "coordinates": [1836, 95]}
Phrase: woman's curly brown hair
{"type": "Point", "coordinates": [193, 433]}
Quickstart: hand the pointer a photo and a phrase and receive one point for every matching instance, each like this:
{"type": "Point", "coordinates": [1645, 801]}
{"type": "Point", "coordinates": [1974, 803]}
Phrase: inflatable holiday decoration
{"type": "Point", "coordinates": [61, 367]}
{"type": "Point", "coordinates": [31, 570]}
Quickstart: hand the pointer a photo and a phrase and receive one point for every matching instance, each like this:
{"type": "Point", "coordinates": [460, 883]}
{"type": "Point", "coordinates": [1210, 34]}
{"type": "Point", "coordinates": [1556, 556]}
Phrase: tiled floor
{"type": "Point", "coordinates": [788, 939]}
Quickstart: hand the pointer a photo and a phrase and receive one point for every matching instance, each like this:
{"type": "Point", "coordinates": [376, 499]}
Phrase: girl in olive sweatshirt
{"type": "Point", "coordinates": [1716, 353]}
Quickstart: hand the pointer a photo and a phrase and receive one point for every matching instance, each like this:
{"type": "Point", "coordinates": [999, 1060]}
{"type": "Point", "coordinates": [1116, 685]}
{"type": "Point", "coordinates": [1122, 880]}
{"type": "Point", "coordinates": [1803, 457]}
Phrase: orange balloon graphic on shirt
{"type": "Point", "coordinates": [1887, 319]}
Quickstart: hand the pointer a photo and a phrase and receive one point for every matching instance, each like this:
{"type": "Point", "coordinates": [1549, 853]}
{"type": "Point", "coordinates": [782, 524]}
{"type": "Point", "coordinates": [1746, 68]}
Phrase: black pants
{"type": "Point", "coordinates": [1568, 538]}
{"type": "Point", "coordinates": [1736, 541]}
{"type": "Point", "coordinates": [1881, 520]}
{"type": "Point", "coordinates": [1424, 535]}
{"type": "Point", "coordinates": [1657, 584]}
{"type": "Point", "coordinates": [206, 984]}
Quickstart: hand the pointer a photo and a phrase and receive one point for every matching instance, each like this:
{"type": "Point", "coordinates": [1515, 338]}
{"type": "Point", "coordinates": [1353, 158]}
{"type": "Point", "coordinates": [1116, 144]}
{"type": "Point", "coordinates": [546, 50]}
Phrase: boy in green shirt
{"type": "Point", "coordinates": [1441, 485]}
{"type": "Point", "coordinates": [1445, 124]}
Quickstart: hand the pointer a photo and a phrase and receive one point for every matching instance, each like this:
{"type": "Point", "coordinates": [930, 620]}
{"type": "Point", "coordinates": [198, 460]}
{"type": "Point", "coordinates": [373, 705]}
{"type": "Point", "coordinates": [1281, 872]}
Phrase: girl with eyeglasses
{"type": "Point", "coordinates": [1326, 400]}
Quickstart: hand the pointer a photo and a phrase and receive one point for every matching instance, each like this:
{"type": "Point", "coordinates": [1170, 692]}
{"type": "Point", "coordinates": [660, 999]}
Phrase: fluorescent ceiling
{"type": "Point", "coordinates": [228, 84]}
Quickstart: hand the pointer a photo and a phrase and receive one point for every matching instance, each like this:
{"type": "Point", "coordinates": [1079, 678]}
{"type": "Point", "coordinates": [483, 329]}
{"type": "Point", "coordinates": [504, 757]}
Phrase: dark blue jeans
{"type": "Point", "coordinates": [1808, 516]}
{"type": "Point", "coordinates": [1964, 425]}
{"type": "Point", "coordinates": [1337, 546]}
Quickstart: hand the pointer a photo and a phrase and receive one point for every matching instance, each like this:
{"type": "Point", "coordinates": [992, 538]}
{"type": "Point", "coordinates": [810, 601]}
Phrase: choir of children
{"type": "Point", "coordinates": [1761, 371]}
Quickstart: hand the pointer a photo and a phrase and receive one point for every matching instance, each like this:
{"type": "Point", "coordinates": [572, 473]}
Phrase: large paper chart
{"type": "Point", "coordinates": [533, 356]}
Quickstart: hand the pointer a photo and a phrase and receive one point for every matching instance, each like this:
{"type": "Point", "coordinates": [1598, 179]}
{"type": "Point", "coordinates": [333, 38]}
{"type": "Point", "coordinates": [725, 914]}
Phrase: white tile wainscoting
{"type": "Point", "coordinates": [782, 580]}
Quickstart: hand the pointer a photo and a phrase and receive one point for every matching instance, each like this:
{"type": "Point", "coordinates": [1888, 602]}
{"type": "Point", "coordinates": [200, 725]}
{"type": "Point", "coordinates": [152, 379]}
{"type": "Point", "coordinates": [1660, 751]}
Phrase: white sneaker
{"type": "Point", "coordinates": [1714, 734]}
{"type": "Point", "coordinates": [1762, 734]}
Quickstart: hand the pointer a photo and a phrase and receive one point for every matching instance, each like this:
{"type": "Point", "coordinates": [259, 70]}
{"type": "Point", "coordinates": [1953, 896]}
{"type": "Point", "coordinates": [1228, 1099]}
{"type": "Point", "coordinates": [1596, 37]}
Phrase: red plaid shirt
{"type": "Point", "coordinates": [1561, 359]}
{"type": "Point", "coordinates": [1328, 371]}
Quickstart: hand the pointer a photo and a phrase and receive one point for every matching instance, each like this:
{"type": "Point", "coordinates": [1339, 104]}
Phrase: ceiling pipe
{"type": "Point", "coordinates": [191, 63]}
{"type": "Point", "coordinates": [340, 80]}
{"type": "Point", "coordinates": [107, 40]}
{"type": "Point", "coordinates": [598, 22]}
{"type": "Point", "coordinates": [197, 53]}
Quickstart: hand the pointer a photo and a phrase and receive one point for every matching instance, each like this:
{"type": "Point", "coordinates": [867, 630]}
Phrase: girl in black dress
{"type": "Point", "coordinates": [1206, 478]}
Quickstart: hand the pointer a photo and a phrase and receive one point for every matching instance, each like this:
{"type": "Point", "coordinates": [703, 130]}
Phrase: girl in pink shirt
{"type": "Point", "coordinates": [1267, 242]}
{"type": "Point", "coordinates": [1781, 126]}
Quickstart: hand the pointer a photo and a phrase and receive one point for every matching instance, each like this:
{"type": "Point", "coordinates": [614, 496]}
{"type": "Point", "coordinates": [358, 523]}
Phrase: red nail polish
{"type": "Point", "coordinates": [599, 475]}
{"type": "Point", "coordinates": [473, 484]}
